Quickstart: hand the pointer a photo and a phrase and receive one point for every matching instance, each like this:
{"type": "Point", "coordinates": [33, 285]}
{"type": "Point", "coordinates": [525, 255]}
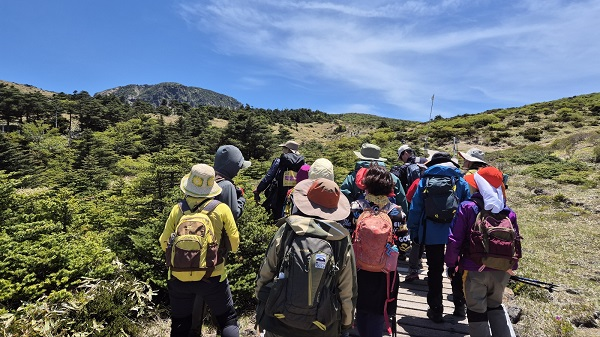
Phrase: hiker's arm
{"type": "Point", "coordinates": [348, 288]}
{"type": "Point", "coordinates": [170, 225]}
{"type": "Point", "coordinates": [415, 212]}
{"type": "Point", "coordinates": [347, 187]}
{"type": "Point", "coordinates": [233, 235]}
{"type": "Point", "coordinates": [266, 180]}
{"type": "Point", "coordinates": [461, 226]}
{"type": "Point", "coordinates": [268, 269]}
{"type": "Point", "coordinates": [400, 195]}
{"type": "Point", "coordinates": [229, 196]}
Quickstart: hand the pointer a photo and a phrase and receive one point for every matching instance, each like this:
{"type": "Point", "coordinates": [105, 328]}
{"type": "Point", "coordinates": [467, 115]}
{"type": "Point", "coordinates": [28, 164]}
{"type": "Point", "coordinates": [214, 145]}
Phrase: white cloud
{"type": "Point", "coordinates": [401, 52]}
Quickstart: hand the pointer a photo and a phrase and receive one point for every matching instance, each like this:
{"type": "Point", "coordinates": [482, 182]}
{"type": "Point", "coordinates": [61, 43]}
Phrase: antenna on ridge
{"type": "Point", "coordinates": [427, 135]}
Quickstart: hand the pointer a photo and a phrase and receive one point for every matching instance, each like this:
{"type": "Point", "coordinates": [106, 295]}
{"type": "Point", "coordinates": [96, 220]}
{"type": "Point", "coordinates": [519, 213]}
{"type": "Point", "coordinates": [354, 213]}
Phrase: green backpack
{"type": "Point", "coordinates": [303, 300]}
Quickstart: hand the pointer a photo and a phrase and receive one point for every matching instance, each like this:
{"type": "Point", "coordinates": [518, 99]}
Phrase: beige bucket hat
{"type": "Point", "coordinates": [200, 182]}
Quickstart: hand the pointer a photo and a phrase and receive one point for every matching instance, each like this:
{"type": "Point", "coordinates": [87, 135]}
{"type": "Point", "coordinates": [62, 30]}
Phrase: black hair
{"type": "Point", "coordinates": [378, 181]}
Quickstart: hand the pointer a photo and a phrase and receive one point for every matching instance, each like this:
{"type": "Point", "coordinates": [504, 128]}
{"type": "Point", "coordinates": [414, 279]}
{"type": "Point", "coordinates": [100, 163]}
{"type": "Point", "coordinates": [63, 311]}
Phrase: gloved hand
{"type": "Point", "coordinates": [256, 196]}
{"type": "Point", "coordinates": [239, 192]}
{"type": "Point", "coordinates": [451, 271]}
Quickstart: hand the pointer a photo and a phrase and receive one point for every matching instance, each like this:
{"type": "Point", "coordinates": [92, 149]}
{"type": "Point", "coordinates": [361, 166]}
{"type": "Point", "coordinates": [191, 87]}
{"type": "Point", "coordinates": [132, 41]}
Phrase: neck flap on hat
{"type": "Point", "coordinates": [493, 198]}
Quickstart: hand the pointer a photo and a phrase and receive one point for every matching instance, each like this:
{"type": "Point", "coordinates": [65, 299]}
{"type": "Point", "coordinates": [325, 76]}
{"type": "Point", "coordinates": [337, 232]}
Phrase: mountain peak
{"type": "Point", "coordinates": [155, 94]}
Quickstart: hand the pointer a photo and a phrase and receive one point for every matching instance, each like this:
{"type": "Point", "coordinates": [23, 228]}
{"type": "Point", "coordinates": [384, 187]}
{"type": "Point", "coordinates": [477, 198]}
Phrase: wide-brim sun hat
{"type": "Point", "coordinates": [200, 182]}
{"type": "Point", "coordinates": [369, 152]}
{"type": "Point", "coordinates": [440, 158]}
{"type": "Point", "coordinates": [321, 198]}
{"type": "Point", "coordinates": [291, 145]}
{"type": "Point", "coordinates": [474, 155]}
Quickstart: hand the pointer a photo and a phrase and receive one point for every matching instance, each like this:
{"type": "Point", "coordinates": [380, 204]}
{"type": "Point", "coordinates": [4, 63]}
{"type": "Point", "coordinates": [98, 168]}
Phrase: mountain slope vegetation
{"type": "Point", "coordinates": [86, 184]}
{"type": "Point", "coordinates": [164, 93]}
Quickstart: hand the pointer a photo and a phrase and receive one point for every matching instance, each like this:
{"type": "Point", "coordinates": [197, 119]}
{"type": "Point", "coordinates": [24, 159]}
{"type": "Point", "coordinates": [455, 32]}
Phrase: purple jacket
{"type": "Point", "coordinates": [460, 231]}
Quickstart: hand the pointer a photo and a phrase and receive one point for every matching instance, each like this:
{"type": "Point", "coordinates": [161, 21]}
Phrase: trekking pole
{"type": "Point", "coordinates": [548, 286]}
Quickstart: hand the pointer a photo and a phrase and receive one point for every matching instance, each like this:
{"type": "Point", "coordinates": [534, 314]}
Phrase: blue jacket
{"type": "Point", "coordinates": [437, 233]}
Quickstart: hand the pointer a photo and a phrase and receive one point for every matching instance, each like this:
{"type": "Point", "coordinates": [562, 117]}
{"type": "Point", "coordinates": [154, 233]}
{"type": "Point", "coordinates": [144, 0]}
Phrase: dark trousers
{"type": "Point", "coordinates": [217, 296]}
{"type": "Point", "coordinates": [369, 324]}
{"type": "Point", "coordinates": [458, 295]}
{"type": "Point", "coordinates": [435, 261]}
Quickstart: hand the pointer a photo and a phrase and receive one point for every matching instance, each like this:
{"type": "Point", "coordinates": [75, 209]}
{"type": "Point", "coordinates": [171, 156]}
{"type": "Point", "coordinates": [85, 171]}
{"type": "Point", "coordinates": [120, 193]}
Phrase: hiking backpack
{"type": "Point", "coordinates": [407, 173]}
{"type": "Point", "coordinates": [374, 249]}
{"type": "Point", "coordinates": [193, 246]}
{"type": "Point", "coordinates": [493, 241]}
{"type": "Point", "coordinates": [303, 299]}
{"type": "Point", "coordinates": [439, 198]}
{"type": "Point", "coordinates": [372, 239]}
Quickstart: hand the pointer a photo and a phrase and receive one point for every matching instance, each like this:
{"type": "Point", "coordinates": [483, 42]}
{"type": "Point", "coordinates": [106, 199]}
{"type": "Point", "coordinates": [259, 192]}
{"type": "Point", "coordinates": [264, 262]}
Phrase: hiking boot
{"type": "Point", "coordinates": [436, 317]}
{"type": "Point", "coordinates": [412, 276]}
{"type": "Point", "coordinates": [460, 310]}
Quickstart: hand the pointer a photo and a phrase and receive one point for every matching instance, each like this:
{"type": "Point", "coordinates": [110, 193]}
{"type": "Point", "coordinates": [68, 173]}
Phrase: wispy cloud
{"type": "Point", "coordinates": [466, 52]}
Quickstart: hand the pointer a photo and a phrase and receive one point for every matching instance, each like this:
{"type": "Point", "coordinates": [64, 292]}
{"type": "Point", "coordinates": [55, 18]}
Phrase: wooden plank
{"type": "Point", "coordinates": [407, 318]}
{"type": "Point", "coordinates": [411, 313]}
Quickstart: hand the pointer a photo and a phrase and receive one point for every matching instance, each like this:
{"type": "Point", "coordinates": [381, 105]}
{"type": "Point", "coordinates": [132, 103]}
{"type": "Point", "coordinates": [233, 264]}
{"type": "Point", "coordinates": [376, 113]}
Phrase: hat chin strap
{"type": "Point", "coordinates": [493, 198]}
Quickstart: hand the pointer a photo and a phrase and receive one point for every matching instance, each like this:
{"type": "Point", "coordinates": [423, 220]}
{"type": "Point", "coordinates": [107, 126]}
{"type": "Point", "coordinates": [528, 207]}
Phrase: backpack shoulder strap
{"type": "Point", "coordinates": [286, 239]}
{"type": "Point", "coordinates": [184, 206]}
{"type": "Point", "coordinates": [211, 205]}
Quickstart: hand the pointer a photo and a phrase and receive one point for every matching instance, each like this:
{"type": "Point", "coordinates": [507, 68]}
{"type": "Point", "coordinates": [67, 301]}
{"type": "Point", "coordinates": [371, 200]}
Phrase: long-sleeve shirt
{"type": "Point", "coordinates": [229, 197]}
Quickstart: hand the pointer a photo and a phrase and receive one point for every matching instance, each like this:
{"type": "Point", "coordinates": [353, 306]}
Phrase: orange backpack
{"type": "Point", "coordinates": [372, 239]}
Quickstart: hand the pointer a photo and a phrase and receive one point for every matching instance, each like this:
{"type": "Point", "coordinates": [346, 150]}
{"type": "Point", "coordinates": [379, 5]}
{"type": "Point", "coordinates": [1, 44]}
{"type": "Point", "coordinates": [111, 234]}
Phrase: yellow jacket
{"type": "Point", "coordinates": [221, 218]}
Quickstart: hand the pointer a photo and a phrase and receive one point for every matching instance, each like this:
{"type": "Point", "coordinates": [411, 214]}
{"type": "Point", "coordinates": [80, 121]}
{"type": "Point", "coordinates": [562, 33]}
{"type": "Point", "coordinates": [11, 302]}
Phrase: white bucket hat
{"type": "Point", "coordinates": [200, 182]}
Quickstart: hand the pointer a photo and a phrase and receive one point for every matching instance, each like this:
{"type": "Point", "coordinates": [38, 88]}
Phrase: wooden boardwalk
{"type": "Point", "coordinates": [411, 315]}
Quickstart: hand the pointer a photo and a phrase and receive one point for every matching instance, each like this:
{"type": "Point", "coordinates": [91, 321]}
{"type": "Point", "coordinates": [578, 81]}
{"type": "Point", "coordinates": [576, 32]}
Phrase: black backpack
{"type": "Point", "coordinates": [439, 198]}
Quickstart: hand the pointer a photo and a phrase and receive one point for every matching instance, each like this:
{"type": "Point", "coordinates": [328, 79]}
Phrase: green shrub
{"type": "Point", "coordinates": [570, 172]}
{"type": "Point", "coordinates": [256, 232]}
{"type": "Point", "coordinates": [532, 134]}
{"type": "Point", "coordinates": [100, 308]}
{"type": "Point", "coordinates": [526, 155]}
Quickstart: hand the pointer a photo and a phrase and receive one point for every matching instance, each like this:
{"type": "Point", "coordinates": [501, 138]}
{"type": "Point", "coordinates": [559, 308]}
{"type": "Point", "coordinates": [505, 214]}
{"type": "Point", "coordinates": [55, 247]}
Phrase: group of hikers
{"type": "Point", "coordinates": [331, 267]}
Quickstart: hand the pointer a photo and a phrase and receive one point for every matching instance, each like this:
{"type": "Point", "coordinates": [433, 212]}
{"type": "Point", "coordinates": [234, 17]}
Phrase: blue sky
{"type": "Point", "coordinates": [383, 57]}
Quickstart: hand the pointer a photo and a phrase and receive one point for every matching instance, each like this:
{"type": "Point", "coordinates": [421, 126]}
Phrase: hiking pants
{"type": "Point", "coordinates": [458, 296]}
{"type": "Point", "coordinates": [483, 295]}
{"type": "Point", "coordinates": [435, 261]}
{"type": "Point", "coordinates": [369, 324]}
{"type": "Point", "coordinates": [414, 257]}
{"type": "Point", "coordinates": [217, 296]}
